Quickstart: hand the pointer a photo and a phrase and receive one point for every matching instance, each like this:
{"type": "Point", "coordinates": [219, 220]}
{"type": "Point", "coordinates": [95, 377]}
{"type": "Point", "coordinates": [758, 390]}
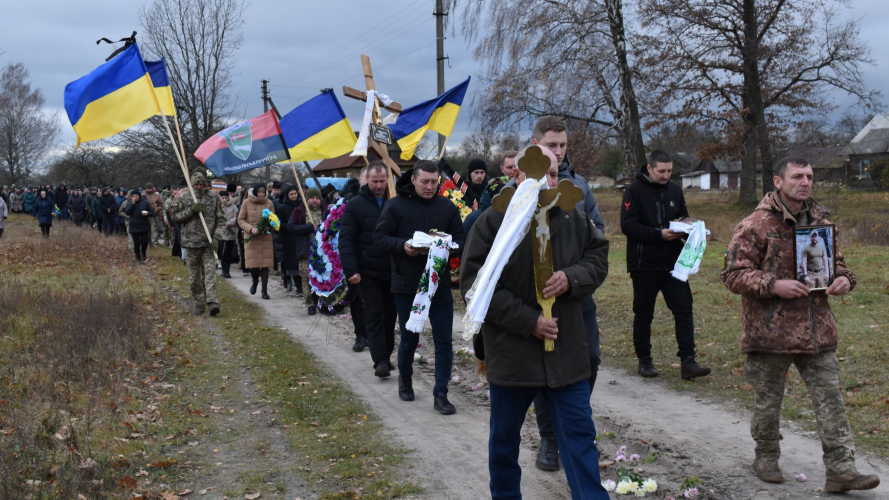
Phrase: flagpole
{"type": "Point", "coordinates": [185, 173]}
{"type": "Point", "coordinates": [299, 185]}
{"type": "Point", "coordinates": [443, 147]}
{"type": "Point", "coordinates": [179, 135]}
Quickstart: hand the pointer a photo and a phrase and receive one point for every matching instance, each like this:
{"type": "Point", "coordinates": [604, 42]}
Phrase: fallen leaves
{"type": "Point", "coordinates": [252, 496]}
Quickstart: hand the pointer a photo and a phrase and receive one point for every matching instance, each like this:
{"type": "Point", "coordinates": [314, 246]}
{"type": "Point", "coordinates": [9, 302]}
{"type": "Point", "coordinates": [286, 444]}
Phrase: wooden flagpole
{"type": "Point", "coordinates": [185, 173]}
{"type": "Point", "coordinates": [299, 186]}
{"type": "Point", "coordinates": [182, 147]}
{"type": "Point", "coordinates": [443, 147]}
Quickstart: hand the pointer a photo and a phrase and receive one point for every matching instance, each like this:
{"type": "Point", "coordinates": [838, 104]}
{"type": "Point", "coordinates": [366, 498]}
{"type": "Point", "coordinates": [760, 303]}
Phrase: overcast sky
{"type": "Point", "coordinates": [301, 47]}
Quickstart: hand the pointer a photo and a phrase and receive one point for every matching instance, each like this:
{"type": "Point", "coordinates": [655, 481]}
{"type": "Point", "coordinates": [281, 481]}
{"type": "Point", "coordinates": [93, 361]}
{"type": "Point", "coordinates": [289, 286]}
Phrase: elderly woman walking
{"type": "Point", "coordinates": [259, 253]}
{"type": "Point", "coordinates": [44, 209]}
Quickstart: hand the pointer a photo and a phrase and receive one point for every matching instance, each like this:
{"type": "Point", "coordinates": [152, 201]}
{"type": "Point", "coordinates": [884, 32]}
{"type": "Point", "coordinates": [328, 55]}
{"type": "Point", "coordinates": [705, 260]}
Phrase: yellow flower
{"type": "Point", "coordinates": [465, 211]}
{"type": "Point", "coordinates": [457, 194]}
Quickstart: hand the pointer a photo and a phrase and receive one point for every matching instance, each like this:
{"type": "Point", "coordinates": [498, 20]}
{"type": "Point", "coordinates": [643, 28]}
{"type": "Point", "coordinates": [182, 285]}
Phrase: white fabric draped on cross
{"type": "Point", "coordinates": [516, 223]}
{"type": "Point", "coordinates": [361, 145]}
{"type": "Point", "coordinates": [439, 245]}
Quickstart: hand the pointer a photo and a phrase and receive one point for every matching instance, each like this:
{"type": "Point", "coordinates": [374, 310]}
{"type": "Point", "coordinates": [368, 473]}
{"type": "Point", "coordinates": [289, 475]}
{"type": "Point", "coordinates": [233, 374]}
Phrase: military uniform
{"type": "Point", "coordinates": [167, 202]}
{"type": "Point", "coordinates": [778, 332]}
{"type": "Point", "coordinates": [200, 255]}
{"type": "Point", "coordinates": [122, 213]}
{"type": "Point", "coordinates": [814, 255]}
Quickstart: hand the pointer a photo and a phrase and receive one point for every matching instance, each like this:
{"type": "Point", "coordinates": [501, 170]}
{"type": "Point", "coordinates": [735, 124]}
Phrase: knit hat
{"type": "Point", "coordinates": [149, 185]}
{"type": "Point", "coordinates": [198, 178]}
{"type": "Point", "coordinates": [231, 188]}
{"type": "Point", "coordinates": [223, 193]}
{"type": "Point", "coordinates": [313, 193]}
{"type": "Point", "coordinates": [477, 164]}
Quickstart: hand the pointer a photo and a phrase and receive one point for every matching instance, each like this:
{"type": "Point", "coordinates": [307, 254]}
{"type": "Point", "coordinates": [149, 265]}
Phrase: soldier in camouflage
{"type": "Point", "coordinates": [785, 323]}
{"type": "Point", "coordinates": [200, 254]}
{"type": "Point", "coordinates": [122, 213]}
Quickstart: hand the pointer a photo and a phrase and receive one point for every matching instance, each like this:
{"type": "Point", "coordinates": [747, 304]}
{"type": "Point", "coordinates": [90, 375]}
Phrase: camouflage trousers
{"type": "Point", "coordinates": [304, 275]}
{"type": "Point", "coordinates": [168, 240]}
{"type": "Point", "coordinates": [201, 264]}
{"type": "Point", "coordinates": [767, 374]}
{"type": "Point", "coordinates": [817, 279]}
{"type": "Point", "coordinates": [155, 231]}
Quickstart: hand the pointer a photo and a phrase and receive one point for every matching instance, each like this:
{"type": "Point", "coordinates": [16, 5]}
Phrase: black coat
{"type": "Point", "coordinates": [108, 205]}
{"type": "Point", "coordinates": [302, 230]}
{"type": "Point", "coordinates": [357, 251]}
{"type": "Point", "coordinates": [647, 208]}
{"type": "Point", "coordinates": [139, 223]}
{"type": "Point", "coordinates": [76, 205]}
{"type": "Point", "coordinates": [401, 217]}
{"type": "Point", "coordinates": [61, 197]}
{"type": "Point", "coordinates": [285, 242]}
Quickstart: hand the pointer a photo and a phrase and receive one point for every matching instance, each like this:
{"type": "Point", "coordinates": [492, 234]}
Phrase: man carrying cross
{"type": "Point", "coordinates": [514, 331]}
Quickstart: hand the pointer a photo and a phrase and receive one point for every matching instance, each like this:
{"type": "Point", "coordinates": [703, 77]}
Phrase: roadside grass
{"type": "Point", "coordinates": [342, 447]}
{"type": "Point", "coordinates": [862, 219]}
{"type": "Point", "coordinates": [92, 372]}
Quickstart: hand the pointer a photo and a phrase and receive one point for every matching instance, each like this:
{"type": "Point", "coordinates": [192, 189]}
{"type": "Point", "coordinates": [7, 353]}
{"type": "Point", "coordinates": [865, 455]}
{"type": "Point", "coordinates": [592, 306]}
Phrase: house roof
{"type": "Point", "coordinates": [828, 157]}
{"type": "Point", "coordinates": [346, 161]}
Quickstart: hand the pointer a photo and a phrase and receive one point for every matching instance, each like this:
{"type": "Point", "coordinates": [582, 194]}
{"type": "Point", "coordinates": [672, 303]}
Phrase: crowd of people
{"type": "Point", "coordinates": [784, 322]}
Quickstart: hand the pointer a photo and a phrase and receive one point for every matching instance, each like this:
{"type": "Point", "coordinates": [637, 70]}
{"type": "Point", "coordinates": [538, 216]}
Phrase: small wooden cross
{"type": "Point", "coordinates": [378, 148]}
{"type": "Point", "coordinates": [565, 196]}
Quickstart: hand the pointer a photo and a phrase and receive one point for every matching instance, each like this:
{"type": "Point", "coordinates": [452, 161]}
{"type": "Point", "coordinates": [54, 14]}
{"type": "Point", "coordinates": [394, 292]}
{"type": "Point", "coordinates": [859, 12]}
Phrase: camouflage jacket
{"type": "Point", "coordinates": [193, 235]}
{"type": "Point", "coordinates": [760, 253]}
{"type": "Point", "coordinates": [156, 204]}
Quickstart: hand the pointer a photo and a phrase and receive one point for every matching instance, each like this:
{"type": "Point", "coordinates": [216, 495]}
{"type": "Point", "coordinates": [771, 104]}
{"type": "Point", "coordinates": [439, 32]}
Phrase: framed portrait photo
{"type": "Point", "coordinates": [815, 248]}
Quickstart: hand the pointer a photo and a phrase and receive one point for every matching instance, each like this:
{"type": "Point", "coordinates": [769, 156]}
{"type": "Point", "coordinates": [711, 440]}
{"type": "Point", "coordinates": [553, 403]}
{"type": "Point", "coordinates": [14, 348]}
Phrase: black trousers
{"type": "Point", "coordinates": [44, 230]}
{"type": "Point", "coordinates": [228, 252]}
{"type": "Point", "coordinates": [357, 311]}
{"type": "Point", "coordinates": [140, 244]}
{"type": "Point", "coordinates": [677, 295]}
{"type": "Point", "coordinates": [380, 316]}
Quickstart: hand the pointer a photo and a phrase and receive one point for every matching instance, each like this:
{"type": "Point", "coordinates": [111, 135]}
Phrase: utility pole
{"type": "Point", "coordinates": [265, 109]}
{"type": "Point", "coordinates": [440, 57]}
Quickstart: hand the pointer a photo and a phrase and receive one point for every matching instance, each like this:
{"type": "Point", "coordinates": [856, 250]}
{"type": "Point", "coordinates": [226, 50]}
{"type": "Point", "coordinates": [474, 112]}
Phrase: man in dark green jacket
{"type": "Point", "coordinates": [514, 333]}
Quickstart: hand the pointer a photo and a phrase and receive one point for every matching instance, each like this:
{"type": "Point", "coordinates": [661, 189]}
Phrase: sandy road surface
{"type": "Point", "coordinates": [690, 435]}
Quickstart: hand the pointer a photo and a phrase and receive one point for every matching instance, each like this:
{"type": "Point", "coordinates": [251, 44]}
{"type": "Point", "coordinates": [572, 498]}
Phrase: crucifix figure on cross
{"type": "Point", "coordinates": [565, 195]}
{"type": "Point", "coordinates": [378, 148]}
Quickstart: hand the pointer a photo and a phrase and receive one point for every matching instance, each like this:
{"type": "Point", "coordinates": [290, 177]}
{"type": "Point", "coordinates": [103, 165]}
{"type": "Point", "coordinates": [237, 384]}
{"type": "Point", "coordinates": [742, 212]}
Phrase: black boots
{"type": "Point", "coordinates": [254, 285]}
{"type": "Point", "coordinates": [443, 406]}
{"type": "Point", "coordinates": [691, 369]}
{"type": "Point", "coordinates": [381, 370]}
{"type": "Point", "coordinates": [360, 344]}
{"type": "Point", "coordinates": [548, 454]}
{"type": "Point", "coordinates": [646, 368]}
{"type": "Point", "coordinates": [214, 309]}
{"type": "Point", "coordinates": [405, 389]}
{"type": "Point", "coordinates": [265, 295]}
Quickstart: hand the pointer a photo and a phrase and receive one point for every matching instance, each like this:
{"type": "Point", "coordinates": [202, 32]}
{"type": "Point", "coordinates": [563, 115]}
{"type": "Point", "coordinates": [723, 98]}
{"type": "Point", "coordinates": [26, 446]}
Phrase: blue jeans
{"type": "Point", "coordinates": [575, 434]}
{"type": "Point", "coordinates": [441, 316]}
{"type": "Point", "coordinates": [63, 215]}
{"type": "Point", "coordinates": [541, 409]}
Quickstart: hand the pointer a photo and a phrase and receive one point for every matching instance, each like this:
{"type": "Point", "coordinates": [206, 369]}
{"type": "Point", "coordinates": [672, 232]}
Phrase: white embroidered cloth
{"type": "Point", "coordinates": [361, 145]}
{"type": "Point", "coordinates": [516, 223]}
{"type": "Point", "coordinates": [439, 245]}
{"type": "Point", "coordinates": [692, 253]}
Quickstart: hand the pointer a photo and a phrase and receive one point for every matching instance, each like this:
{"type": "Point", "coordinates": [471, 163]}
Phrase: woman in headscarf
{"type": "Point", "coordinates": [141, 216]}
{"type": "Point", "coordinates": [285, 242]}
{"type": "Point", "coordinates": [77, 207]}
{"type": "Point", "coordinates": [259, 254]}
{"type": "Point", "coordinates": [43, 210]}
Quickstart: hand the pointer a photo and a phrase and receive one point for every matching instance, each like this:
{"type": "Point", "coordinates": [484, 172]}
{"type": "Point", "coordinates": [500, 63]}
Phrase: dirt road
{"type": "Point", "coordinates": [684, 436]}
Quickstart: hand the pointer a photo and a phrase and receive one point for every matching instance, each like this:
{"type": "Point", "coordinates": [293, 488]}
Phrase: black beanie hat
{"type": "Point", "coordinates": [477, 164]}
{"type": "Point", "coordinates": [231, 188]}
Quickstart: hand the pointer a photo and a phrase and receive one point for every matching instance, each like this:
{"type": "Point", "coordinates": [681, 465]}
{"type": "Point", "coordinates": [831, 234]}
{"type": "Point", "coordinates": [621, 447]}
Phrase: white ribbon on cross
{"type": "Point", "coordinates": [361, 145]}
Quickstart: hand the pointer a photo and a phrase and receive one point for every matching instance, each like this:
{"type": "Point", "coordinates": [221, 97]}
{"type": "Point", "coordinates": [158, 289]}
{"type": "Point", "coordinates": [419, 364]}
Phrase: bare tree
{"type": "Point", "coordinates": [562, 57]}
{"type": "Point", "coordinates": [751, 66]}
{"type": "Point", "coordinates": [198, 40]}
{"type": "Point", "coordinates": [26, 132]}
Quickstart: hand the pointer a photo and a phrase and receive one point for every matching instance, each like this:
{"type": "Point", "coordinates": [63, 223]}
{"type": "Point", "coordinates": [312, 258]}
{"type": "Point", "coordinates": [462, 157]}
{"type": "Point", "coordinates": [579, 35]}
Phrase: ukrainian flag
{"type": "Point", "coordinates": [318, 129]}
{"type": "Point", "coordinates": [157, 70]}
{"type": "Point", "coordinates": [438, 115]}
{"type": "Point", "coordinates": [112, 98]}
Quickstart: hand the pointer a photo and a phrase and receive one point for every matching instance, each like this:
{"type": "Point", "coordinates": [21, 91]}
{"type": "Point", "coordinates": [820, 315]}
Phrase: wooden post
{"type": "Point", "coordinates": [299, 186]}
{"type": "Point", "coordinates": [443, 147]}
{"type": "Point", "coordinates": [185, 173]}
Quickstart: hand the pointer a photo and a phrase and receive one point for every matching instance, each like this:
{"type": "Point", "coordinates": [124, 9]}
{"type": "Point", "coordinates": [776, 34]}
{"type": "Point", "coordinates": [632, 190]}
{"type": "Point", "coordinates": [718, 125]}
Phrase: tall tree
{"type": "Point", "coordinates": [198, 39]}
{"type": "Point", "coordinates": [26, 132]}
{"type": "Point", "coordinates": [748, 65]}
{"type": "Point", "coordinates": [562, 57]}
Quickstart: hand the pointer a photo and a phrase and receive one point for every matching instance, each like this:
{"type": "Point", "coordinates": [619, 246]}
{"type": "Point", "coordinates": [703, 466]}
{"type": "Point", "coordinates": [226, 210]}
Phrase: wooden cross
{"type": "Point", "coordinates": [566, 195]}
{"type": "Point", "coordinates": [378, 148]}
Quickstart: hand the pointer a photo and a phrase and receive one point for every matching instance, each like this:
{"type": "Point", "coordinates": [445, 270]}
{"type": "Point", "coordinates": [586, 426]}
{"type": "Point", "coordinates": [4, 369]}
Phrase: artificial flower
{"type": "Point", "coordinates": [649, 485]}
{"type": "Point", "coordinates": [639, 492]}
{"type": "Point", "coordinates": [465, 211]}
{"type": "Point", "coordinates": [634, 458]}
{"type": "Point", "coordinates": [609, 485]}
{"type": "Point", "coordinates": [620, 458]}
{"type": "Point", "coordinates": [801, 477]}
{"type": "Point", "coordinates": [478, 386]}
{"type": "Point", "coordinates": [690, 493]}
{"type": "Point", "coordinates": [623, 487]}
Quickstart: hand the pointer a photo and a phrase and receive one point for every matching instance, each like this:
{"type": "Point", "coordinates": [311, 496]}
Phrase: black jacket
{"type": "Point", "coordinates": [647, 208]}
{"type": "Point", "coordinates": [108, 204]}
{"type": "Point", "coordinates": [285, 242]}
{"type": "Point", "coordinates": [139, 223]}
{"type": "Point", "coordinates": [401, 217]}
{"type": "Point", "coordinates": [76, 205]}
{"type": "Point", "coordinates": [474, 192]}
{"type": "Point", "coordinates": [357, 251]}
{"type": "Point", "coordinates": [61, 197]}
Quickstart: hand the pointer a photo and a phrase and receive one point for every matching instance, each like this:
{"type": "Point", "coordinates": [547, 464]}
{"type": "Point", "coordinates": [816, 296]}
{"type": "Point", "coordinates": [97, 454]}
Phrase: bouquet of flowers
{"type": "Point", "coordinates": [266, 224]}
{"type": "Point", "coordinates": [56, 212]}
{"type": "Point", "coordinates": [325, 270]}
{"type": "Point", "coordinates": [449, 190]}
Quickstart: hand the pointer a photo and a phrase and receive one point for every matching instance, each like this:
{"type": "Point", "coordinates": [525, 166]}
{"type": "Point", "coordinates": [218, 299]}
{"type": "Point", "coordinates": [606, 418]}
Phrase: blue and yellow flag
{"type": "Point", "coordinates": [112, 98]}
{"type": "Point", "coordinates": [318, 129]}
{"type": "Point", "coordinates": [438, 115]}
{"type": "Point", "coordinates": [157, 70]}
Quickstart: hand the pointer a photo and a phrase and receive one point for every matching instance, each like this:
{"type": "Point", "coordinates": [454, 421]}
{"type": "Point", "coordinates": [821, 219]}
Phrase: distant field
{"type": "Point", "coordinates": [862, 220]}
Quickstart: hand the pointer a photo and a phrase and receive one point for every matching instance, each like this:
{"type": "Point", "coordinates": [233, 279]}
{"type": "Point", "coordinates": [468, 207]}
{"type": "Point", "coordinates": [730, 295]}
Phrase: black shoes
{"type": "Point", "coordinates": [253, 287]}
{"type": "Point", "coordinates": [265, 295]}
{"type": "Point", "coordinates": [313, 310]}
{"type": "Point", "coordinates": [198, 310]}
{"type": "Point", "coordinates": [360, 344]}
{"type": "Point", "coordinates": [214, 309]}
{"type": "Point", "coordinates": [548, 454]}
{"type": "Point", "coordinates": [691, 369]}
{"type": "Point", "coordinates": [443, 406]}
{"type": "Point", "coordinates": [288, 286]}
{"type": "Point", "coordinates": [381, 370]}
{"type": "Point", "coordinates": [405, 389]}
{"type": "Point", "coordinates": [646, 368]}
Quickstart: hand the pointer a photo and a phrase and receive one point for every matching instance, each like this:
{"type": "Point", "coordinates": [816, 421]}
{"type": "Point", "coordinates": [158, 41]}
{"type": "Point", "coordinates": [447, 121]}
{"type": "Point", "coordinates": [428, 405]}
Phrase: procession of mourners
{"type": "Point", "coordinates": [530, 241]}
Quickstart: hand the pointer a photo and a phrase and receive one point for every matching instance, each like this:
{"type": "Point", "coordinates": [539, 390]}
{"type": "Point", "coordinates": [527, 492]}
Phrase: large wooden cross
{"type": "Point", "coordinates": [565, 195]}
{"type": "Point", "coordinates": [379, 149]}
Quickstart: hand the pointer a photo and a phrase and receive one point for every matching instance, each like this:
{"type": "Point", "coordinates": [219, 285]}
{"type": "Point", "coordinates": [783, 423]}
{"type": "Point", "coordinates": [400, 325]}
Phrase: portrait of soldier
{"type": "Point", "coordinates": [814, 263]}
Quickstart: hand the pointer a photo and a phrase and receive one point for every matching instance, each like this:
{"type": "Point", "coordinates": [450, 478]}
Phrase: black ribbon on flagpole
{"type": "Point", "coordinates": [128, 41]}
